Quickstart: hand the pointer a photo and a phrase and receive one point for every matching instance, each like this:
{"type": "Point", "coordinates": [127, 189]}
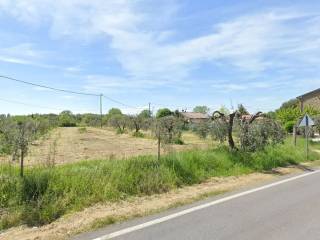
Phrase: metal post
{"type": "Point", "coordinates": [101, 95]}
{"type": "Point", "coordinates": [307, 136]}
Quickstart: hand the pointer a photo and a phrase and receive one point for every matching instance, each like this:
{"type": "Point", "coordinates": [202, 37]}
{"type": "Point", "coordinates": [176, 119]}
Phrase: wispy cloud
{"type": "Point", "coordinates": [267, 43]}
{"type": "Point", "coordinates": [25, 54]}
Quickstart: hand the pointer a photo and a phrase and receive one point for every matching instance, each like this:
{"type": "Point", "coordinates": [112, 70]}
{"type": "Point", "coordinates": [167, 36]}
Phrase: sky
{"type": "Point", "coordinates": [171, 53]}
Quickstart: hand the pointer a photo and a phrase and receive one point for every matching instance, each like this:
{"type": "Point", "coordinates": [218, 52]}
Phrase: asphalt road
{"type": "Point", "coordinates": [289, 209]}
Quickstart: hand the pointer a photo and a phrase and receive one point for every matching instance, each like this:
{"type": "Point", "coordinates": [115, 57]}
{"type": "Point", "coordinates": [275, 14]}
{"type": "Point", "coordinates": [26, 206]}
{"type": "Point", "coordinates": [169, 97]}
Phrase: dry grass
{"type": "Point", "coordinates": [66, 145]}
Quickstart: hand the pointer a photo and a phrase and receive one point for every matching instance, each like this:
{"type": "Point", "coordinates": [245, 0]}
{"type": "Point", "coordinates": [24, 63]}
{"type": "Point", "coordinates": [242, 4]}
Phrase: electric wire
{"type": "Point", "coordinates": [28, 104]}
{"type": "Point", "coordinates": [66, 91]}
{"type": "Point", "coordinates": [48, 87]}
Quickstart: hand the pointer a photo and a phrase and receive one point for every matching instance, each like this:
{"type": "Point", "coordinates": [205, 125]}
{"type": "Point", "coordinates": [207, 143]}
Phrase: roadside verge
{"type": "Point", "coordinates": [103, 214]}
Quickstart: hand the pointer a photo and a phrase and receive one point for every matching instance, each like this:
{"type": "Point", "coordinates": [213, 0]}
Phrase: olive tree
{"type": "Point", "coordinates": [25, 135]}
{"type": "Point", "coordinates": [16, 138]}
{"type": "Point", "coordinates": [167, 130]}
{"type": "Point", "coordinates": [257, 135]}
{"type": "Point", "coordinates": [119, 121]}
{"type": "Point", "coordinates": [218, 130]}
{"type": "Point", "coordinates": [137, 123]}
{"type": "Point", "coordinates": [224, 122]}
{"type": "Point", "coordinates": [254, 132]}
{"type": "Point", "coordinates": [8, 129]}
{"type": "Point", "coordinates": [201, 129]}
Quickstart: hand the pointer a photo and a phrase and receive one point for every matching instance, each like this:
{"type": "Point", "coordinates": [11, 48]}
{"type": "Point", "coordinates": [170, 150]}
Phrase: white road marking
{"type": "Point", "coordinates": [196, 208]}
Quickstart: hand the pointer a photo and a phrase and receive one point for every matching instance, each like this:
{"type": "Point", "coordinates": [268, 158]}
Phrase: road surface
{"type": "Point", "coordinates": [287, 209]}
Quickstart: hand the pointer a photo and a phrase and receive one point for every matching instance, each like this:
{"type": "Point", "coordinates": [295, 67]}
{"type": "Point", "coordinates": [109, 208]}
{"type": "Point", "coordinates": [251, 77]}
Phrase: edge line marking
{"type": "Point", "coordinates": [200, 207]}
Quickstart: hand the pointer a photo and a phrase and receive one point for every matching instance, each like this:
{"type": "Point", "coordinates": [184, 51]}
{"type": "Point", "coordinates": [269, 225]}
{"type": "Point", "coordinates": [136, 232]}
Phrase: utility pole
{"type": "Point", "coordinates": [149, 109]}
{"type": "Point", "coordinates": [101, 95]}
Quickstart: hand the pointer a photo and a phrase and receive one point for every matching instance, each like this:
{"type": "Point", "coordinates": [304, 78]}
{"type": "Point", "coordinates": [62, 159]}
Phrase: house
{"type": "Point", "coordinates": [247, 117]}
{"type": "Point", "coordinates": [195, 117]}
{"type": "Point", "coordinates": [311, 99]}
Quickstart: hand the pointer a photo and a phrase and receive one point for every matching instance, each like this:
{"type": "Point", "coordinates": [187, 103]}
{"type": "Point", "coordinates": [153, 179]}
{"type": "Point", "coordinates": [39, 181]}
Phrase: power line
{"type": "Point", "coordinates": [28, 104]}
{"type": "Point", "coordinates": [118, 102]}
{"type": "Point", "coordinates": [48, 87]}
{"type": "Point", "coordinates": [80, 93]}
{"type": "Point", "coordinates": [65, 91]}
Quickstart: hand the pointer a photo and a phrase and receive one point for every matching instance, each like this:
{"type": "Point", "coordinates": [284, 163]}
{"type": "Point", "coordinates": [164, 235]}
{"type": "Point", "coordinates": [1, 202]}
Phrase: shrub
{"type": "Point", "coordinates": [82, 130]}
{"type": "Point", "coordinates": [201, 129]}
{"type": "Point", "coordinates": [138, 134]}
{"type": "Point", "coordinates": [67, 119]}
{"type": "Point", "coordinates": [219, 130]}
{"type": "Point", "coordinates": [289, 126]}
{"type": "Point", "coordinates": [259, 134]}
{"type": "Point", "coordinates": [178, 141]}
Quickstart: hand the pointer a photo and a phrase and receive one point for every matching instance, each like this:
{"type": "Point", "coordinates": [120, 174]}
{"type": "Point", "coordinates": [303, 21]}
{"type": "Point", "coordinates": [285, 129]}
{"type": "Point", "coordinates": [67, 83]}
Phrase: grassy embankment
{"type": "Point", "coordinates": [45, 194]}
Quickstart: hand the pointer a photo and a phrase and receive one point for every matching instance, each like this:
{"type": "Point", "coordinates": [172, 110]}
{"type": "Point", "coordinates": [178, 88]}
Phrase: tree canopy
{"type": "Point", "coordinates": [164, 112]}
{"type": "Point", "coordinates": [114, 111]}
{"type": "Point", "coordinates": [145, 113]}
{"type": "Point", "coordinates": [201, 109]}
{"type": "Point", "coordinates": [67, 119]}
{"type": "Point", "coordinates": [242, 110]}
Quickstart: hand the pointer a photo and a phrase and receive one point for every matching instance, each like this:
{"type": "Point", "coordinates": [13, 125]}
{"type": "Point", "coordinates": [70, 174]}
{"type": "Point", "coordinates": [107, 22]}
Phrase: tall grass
{"type": "Point", "coordinates": [45, 194]}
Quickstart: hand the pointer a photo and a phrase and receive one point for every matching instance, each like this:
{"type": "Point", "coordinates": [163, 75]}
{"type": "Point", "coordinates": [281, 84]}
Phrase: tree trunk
{"type": "Point", "coordinates": [230, 129]}
{"type": "Point", "coordinates": [159, 146]}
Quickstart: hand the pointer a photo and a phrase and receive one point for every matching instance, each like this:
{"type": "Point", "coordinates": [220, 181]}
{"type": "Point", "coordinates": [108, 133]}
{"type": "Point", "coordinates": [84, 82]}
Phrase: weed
{"type": "Point", "coordinates": [82, 130]}
{"type": "Point", "coordinates": [45, 194]}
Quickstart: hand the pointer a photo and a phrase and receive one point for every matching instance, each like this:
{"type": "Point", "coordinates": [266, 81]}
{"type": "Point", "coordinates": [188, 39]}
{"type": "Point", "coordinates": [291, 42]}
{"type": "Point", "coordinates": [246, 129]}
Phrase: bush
{"type": "Point", "coordinates": [289, 126]}
{"type": "Point", "coordinates": [219, 130]}
{"type": "Point", "coordinates": [138, 134]}
{"type": "Point", "coordinates": [67, 119]}
{"type": "Point", "coordinates": [82, 130]}
{"type": "Point", "coordinates": [259, 134]}
{"type": "Point", "coordinates": [178, 141]}
{"type": "Point", "coordinates": [201, 129]}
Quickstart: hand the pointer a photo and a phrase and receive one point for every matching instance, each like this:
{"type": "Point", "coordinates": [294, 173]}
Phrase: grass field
{"type": "Point", "coordinates": [65, 145]}
{"type": "Point", "coordinates": [45, 194]}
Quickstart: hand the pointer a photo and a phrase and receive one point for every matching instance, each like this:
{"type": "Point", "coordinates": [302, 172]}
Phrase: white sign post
{"type": "Point", "coordinates": [306, 122]}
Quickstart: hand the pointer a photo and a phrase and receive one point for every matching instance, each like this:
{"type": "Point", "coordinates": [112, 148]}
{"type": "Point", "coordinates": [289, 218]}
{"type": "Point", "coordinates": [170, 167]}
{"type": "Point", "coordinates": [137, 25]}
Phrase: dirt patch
{"type": "Point", "coordinates": [65, 145]}
{"type": "Point", "coordinates": [107, 213]}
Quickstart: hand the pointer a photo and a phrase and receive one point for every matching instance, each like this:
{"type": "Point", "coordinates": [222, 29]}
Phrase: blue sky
{"type": "Point", "coordinates": [170, 53]}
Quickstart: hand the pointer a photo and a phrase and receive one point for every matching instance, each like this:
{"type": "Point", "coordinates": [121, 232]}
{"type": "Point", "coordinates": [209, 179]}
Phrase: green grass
{"type": "Point", "coordinates": [82, 130]}
{"type": "Point", "coordinates": [45, 194]}
{"type": "Point", "coordinates": [315, 145]}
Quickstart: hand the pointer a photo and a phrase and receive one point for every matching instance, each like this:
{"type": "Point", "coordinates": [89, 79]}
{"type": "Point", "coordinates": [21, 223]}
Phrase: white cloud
{"type": "Point", "coordinates": [253, 43]}
{"type": "Point", "coordinates": [25, 54]}
{"type": "Point", "coordinates": [114, 84]}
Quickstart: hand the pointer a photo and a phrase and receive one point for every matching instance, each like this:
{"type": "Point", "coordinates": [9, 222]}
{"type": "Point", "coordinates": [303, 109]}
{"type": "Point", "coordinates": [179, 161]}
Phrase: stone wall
{"type": "Point", "coordinates": [312, 101]}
